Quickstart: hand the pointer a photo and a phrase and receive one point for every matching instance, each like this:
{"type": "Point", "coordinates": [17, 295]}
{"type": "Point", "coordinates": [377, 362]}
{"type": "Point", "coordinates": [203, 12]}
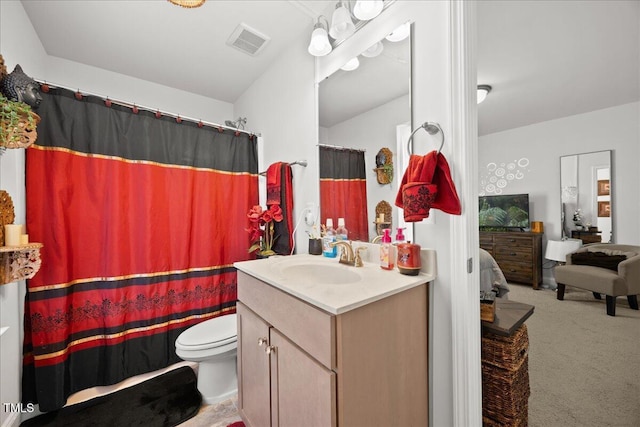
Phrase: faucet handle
{"type": "Point", "coordinates": [358, 260]}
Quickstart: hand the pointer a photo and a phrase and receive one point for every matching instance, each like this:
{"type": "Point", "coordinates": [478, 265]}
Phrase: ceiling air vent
{"type": "Point", "coordinates": [247, 39]}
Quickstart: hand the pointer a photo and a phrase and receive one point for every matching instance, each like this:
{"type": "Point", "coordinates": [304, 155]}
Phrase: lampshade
{"type": "Point", "coordinates": [187, 3]}
{"type": "Point", "coordinates": [557, 250]}
{"type": "Point", "coordinates": [351, 65]}
{"type": "Point", "coordinates": [483, 91]}
{"type": "Point", "coordinates": [319, 44]}
{"type": "Point", "coordinates": [400, 33]}
{"type": "Point", "coordinates": [365, 10]}
{"type": "Point", "coordinates": [374, 50]}
{"type": "Point", "coordinates": [341, 24]}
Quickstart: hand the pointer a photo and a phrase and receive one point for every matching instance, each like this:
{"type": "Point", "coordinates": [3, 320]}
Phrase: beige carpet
{"type": "Point", "coordinates": [584, 366]}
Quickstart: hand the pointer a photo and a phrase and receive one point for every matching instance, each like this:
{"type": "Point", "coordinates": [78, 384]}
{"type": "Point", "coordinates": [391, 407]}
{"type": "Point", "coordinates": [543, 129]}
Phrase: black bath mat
{"type": "Point", "coordinates": [166, 400]}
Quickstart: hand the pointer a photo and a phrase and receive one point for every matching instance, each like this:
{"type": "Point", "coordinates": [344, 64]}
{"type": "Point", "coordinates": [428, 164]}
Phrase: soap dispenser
{"type": "Point", "coordinates": [387, 255]}
{"type": "Point", "coordinates": [400, 235]}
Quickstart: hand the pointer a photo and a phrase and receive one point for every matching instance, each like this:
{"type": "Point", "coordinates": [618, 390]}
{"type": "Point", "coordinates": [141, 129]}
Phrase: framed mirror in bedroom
{"type": "Point", "coordinates": [586, 191]}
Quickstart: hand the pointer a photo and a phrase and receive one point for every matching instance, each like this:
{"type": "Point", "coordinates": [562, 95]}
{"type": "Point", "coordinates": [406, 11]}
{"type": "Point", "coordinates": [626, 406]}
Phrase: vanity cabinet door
{"type": "Point", "coordinates": [303, 392]}
{"type": "Point", "coordinates": [253, 368]}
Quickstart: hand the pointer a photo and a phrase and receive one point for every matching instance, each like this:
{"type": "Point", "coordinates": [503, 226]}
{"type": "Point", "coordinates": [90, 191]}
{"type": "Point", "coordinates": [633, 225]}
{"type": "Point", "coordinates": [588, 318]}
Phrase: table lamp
{"type": "Point", "coordinates": [557, 250]}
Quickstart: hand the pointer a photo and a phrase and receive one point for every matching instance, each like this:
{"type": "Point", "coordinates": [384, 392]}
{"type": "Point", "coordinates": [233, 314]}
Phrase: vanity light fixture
{"type": "Point", "coordinates": [365, 10]}
{"type": "Point", "coordinates": [189, 4]}
{"type": "Point", "coordinates": [319, 44]}
{"type": "Point", "coordinates": [400, 33]}
{"type": "Point", "coordinates": [351, 65]}
{"type": "Point", "coordinates": [483, 91]}
{"type": "Point", "coordinates": [374, 50]}
{"type": "Point", "coordinates": [342, 26]}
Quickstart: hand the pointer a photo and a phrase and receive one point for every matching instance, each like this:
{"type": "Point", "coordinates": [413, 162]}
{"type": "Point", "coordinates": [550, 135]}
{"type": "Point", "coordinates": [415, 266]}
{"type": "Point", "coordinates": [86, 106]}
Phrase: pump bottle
{"type": "Point", "coordinates": [387, 255]}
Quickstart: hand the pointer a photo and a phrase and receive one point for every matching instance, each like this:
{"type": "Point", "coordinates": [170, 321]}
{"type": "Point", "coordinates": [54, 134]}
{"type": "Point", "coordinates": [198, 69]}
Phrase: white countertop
{"type": "Point", "coordinates": [315, 279]}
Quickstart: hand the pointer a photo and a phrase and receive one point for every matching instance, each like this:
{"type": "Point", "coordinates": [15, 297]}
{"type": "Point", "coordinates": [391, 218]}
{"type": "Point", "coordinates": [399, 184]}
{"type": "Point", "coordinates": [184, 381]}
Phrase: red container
{"type": "Point", "coordinates": [409, 259]}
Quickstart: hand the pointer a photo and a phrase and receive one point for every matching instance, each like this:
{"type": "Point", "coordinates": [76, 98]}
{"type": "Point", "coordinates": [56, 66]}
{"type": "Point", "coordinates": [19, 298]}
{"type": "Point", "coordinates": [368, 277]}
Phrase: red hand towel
{"type": "Point", "coordinates": [274, 188]}
{"type": "Point", "coordinates": [427, 184]}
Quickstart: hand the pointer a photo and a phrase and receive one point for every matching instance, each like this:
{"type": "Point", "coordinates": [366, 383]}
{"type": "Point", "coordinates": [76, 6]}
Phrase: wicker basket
{"type": "Point", "coordinates": [505, 394]}
{"type": "Point", "coordinates": [505, 352]}
{"type": "Point", "coordinates": [505, 379]}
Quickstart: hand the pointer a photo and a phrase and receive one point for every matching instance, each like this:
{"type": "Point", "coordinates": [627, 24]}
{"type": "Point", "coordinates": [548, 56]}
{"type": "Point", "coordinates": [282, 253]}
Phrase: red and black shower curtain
{"type": "Point", "coordinates": [141, 219]}
{"type": "Point", "coordinates": [343, 190]}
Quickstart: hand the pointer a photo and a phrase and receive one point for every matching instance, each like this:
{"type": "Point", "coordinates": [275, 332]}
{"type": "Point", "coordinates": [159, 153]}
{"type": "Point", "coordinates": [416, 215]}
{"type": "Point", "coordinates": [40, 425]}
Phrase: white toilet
{"type": "Point", "coordinates": [213, 344]}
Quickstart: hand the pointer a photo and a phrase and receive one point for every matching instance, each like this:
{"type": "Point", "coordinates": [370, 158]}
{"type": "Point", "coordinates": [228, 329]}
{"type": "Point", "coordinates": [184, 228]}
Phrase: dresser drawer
{"type": "Point", "coordinates": [513, 241]}
{"type": "Point", "coordinates": [513, 253]}
{"type": "Point", "coordinates": [517, 271]}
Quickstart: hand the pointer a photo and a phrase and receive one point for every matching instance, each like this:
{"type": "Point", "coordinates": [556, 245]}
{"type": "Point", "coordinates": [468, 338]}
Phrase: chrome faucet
{"type": "Point", "coordinates": [377, 239]}
{"type": "Point", "coordinates": [346, 254]}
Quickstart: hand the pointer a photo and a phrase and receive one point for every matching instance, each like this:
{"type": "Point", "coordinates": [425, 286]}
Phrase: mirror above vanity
{"type": "Point", "coordinates": [586, 196]}
{"type": "Point", "coordinates": [366, 110]}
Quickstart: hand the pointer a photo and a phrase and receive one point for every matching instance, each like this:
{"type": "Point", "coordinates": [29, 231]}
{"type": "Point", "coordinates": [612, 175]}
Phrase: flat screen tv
{"type": "Point", "coordinates": [504, 211]}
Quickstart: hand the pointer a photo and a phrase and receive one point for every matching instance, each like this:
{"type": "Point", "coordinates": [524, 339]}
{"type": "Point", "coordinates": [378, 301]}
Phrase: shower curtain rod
{"type": "Point", "coordinates": [338, 147]}
{"type": "Point", "coordinates": [149, 109]}
{"type": "Point", "coordinates": [302, 163]}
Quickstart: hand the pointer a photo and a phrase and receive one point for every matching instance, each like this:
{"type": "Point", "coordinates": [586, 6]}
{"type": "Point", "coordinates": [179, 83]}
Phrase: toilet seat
{"type": "Point", "coordinates": [217, 332]}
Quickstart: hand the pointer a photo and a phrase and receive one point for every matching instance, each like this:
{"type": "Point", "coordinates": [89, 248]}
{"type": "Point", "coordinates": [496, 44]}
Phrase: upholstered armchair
{"type": "Point", "coordinates": [609, 269]}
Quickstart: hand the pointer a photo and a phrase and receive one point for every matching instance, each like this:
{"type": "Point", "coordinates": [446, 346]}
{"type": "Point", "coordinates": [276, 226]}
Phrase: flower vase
{"type": "Point", "coordinates": [264, 254]}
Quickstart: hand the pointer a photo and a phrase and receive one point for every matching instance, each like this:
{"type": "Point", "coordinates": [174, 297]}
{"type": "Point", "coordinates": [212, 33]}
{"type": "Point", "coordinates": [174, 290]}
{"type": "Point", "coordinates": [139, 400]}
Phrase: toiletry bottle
{"type": "Point", "coordinates": [341, 231]}
{"type": "Point", "coordinates": [400, 236]}
{"type": "Point", "coordinates": [387, 258]}
{"type": "Point", "coordinates": [328, 239]}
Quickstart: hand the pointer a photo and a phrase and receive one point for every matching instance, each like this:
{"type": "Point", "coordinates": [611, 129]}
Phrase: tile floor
{"type": "Point", "coordinates": [219, 415]}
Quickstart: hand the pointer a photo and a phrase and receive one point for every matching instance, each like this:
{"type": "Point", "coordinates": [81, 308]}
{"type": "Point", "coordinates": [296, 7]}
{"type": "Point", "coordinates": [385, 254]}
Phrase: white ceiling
{"type": "Point", "coordinates": [544, 59]}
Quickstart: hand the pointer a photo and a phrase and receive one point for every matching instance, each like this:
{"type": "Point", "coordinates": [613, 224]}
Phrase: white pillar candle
{"type": "Point", "coordinates": [12, 233]}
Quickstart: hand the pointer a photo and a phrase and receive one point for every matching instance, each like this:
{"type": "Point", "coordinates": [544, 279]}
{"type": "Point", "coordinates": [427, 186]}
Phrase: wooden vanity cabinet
{"type": "Point", "coordinates": [367, 366]}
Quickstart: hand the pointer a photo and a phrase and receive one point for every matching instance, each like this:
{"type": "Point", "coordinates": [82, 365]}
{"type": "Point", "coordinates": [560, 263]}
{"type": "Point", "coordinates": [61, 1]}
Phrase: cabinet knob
{"type": "Point", "coordinates": [261, 342]}
{"type": "Point", "coordinates": [270, 349]}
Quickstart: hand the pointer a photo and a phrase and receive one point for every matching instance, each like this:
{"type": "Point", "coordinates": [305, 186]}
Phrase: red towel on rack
{"type": "Point", "coordinates": [427, 184]}
{"type": "Point", "coordinates": [273, 183]}
{"type": "Point", "coordinates": [280, 192]}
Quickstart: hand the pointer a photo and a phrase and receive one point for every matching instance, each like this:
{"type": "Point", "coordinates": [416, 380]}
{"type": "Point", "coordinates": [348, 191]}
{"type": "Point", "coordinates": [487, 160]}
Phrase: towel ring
{"type": "Point", "coordinates": [432, 128]}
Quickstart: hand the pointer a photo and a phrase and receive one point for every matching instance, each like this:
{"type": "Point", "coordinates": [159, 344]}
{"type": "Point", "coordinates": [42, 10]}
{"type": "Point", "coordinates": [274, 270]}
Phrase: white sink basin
{"type": "Point", "coordinates": [321, 272]}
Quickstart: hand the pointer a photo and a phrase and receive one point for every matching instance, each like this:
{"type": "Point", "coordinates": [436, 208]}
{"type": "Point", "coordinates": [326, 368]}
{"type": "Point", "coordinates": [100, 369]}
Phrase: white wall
{"type": "Point", "coordinates": [282, 105]}
{"type": "Point", "coordinates": [19, 44]}
{"type": "Point", "coordinates": [372, 131]}
{"type": "Point", "coordinates": [543, 144]}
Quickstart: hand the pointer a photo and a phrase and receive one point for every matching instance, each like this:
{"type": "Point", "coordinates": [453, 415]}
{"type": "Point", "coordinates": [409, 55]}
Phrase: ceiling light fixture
{"type": "Point", "coordinates": [400, 33]}
{"type": "Point", "coordinates": [351, 65]}
{"type": "Point", "coordinates": [374, 50]}
{"type": "Point", "coordinates": [365, 10]}
{"type": "Point", "coordinates": [319, 44]}
{"type": "Point", "coordinates": [342, 26]}
{"type": "Point", "coordinates": [483, 91]}
{"type": "Point", "coordinates": [189, 4]}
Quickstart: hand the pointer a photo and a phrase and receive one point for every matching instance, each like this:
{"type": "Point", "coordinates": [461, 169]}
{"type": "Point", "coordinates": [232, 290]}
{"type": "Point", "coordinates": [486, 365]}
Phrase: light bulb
{"type": "Point", "coordinates": [351, 65]}
{"type": "Point", "coordinates": [483, 91]}
{"type": "Point", "coordinates": [365, 10]}
{"type": "Point", "coordinates": [400, 33]}
{"type": "Point", "coordinates": [341, 24]}
{"type": "Point", "coordinates": [374, 50]}
{"type": "Point", "coordinates": [319, 44]}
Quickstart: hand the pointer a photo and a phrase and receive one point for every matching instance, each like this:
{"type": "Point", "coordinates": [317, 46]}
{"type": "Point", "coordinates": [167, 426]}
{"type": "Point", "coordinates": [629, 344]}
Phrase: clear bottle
{"type": "Point", "coordinates": [400, 236]}
{"type": "Point", "coordinates": [329, 238]}
{"type": "Point", "coordinates": [387, 251]}
{"type": "Point", "coordinates": [341, 231]}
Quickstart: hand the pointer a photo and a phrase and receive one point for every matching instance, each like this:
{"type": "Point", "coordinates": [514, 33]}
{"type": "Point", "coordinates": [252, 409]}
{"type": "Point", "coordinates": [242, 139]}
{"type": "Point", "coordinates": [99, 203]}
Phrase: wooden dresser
{"type": "Point", "coordinates": [519, 254]}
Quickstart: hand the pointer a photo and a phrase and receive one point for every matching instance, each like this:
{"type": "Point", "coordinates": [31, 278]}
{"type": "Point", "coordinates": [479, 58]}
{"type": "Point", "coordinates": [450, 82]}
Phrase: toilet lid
{"type": "Point", "coordinates": [217, 331]}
